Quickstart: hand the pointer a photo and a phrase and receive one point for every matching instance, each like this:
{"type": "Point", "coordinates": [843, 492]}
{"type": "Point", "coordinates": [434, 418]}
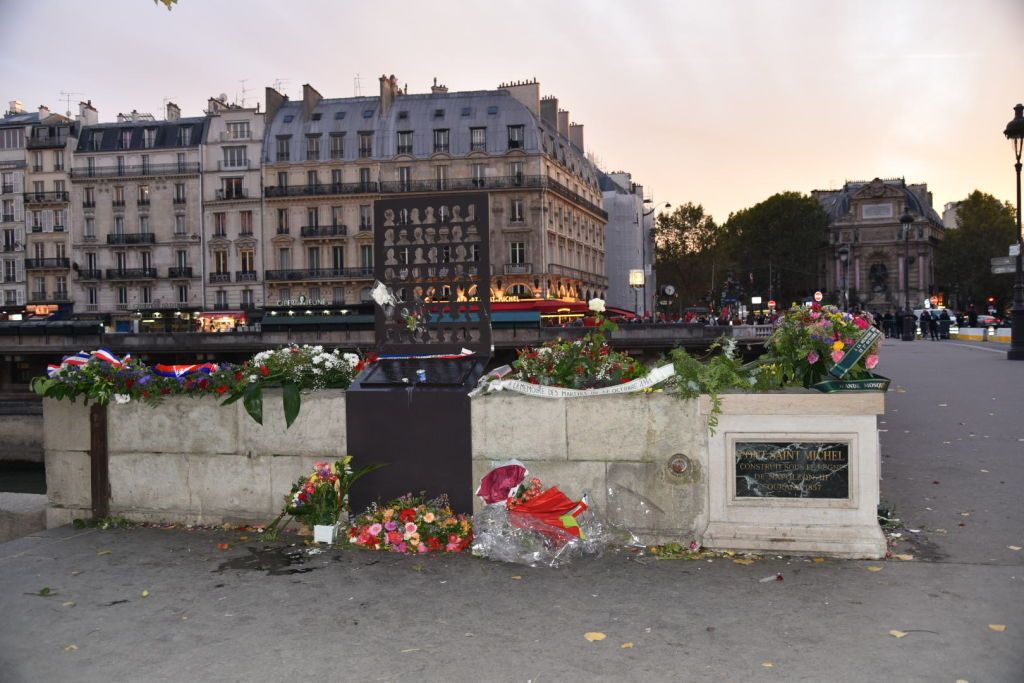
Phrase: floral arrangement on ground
{"type": "Point", "coordinates": [412, 524]}
{"type": "Point", "coordinates": [102, 377]}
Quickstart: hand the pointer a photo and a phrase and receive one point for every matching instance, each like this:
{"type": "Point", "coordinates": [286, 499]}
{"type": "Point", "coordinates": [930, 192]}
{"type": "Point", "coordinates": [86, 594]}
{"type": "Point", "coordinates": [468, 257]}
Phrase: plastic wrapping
{"type": "Point", "coordinates": [522, 538]}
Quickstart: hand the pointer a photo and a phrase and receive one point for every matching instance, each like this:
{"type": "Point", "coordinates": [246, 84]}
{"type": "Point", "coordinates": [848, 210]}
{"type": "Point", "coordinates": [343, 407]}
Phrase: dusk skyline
{"type": "Point", "coordinates": [721, 105]}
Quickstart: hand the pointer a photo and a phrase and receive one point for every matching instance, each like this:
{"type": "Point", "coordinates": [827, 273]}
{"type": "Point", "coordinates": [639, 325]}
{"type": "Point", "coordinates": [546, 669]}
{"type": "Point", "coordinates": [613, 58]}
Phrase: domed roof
{"type": "Point", "coordinates": [837, 203]}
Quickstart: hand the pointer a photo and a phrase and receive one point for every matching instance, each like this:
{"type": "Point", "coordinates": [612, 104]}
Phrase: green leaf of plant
{"type": "Point", "coordinates": [252, 399]}
{"type": "Point", "coordinates": [292, 402]}
{"type": "Point", "coordinates": [231, 399]}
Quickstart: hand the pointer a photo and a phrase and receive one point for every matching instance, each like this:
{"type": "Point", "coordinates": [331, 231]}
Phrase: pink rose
{"type": "Point", "coordinates": [374, 529]}
{"type": "Point", "coordinates": [421, 548]}
{"type": "Point", "coordinates": [813, 357]}
{"type": "Point", "coordinates": [837, 356]}
{"type": "Point", "coordinates": [390, 525]}
{"type": "Point", "coordinates": [861, 323]}
{"type": "Point", "coordinates": [401, 548]}
{"type": "Point", "coordinates": [410, 528]}
{"type": "Point", "coordinates": [871, 361]}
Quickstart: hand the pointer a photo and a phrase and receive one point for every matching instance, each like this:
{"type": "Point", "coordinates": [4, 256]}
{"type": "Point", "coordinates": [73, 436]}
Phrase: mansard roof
{"type": "Point", "coordinates": [837, 203]}
{"type": "Point", "coordinates": [167, 135]}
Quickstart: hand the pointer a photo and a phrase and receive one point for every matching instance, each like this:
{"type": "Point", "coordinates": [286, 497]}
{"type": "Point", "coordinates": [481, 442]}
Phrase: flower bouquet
{"type": "Point", "coordinates": [320, 499]}
{"type": "Point", "coordinates": [809, 343]}
{"type": "Point", "coordinates": [411, 524]}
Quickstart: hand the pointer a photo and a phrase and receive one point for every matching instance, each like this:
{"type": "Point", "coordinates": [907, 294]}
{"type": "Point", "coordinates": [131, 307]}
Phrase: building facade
{"type": "Point", "coordinates": [136, 204]}
{"type": "Point", "coordinates": [14, 127]}
{"type": "Point", "coordinates": [325, 162]}
{"type": "Point", "coordinates": [872, 263]}
{"type": "Point", "coordinates": [629, 243]}
{"type": "Point", "coordinates": [233, 207]}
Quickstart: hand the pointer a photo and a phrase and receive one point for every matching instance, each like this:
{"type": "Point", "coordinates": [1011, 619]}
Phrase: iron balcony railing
{"type": "Point", "coordinates": [324, 230]}
{"type": "Point", "coordinates": [518, 268]}
{"type": "Point", "coordinates": [131, 273]}
{"type": "Point", "coordinates": [47, 141]}
{"type": "Point", "coordinates": [43, 263]}
{"type": "Point", "coordinates": [577, 274]}
{"type": "Point", "coordinates": [186, 168]}
{"type": "Point", "coordinates": [318, 274]}
{"type": "Point", "coordinates": [180, 272]}
{"type": "Point", "coordinates": [88, 205]}
{"type": "Point", "coordinates": [132, 238]}
{"type": "Point", "coordinates": [45, 197]}
{"type": "Point", "coordinates": [10, 247]}
{"type": "Point", "coordinates": [245, 276]}
{"type": "Point", "coordinates": [320, 189]}
{"type": "Point", "coordinates": [90, 274]}
{"type": "Point", "coordinates": [220, 277]}
{"type": "Point", "coordinates": [38, 296]}
{"type": "Point", "coordinates": [242, 193]}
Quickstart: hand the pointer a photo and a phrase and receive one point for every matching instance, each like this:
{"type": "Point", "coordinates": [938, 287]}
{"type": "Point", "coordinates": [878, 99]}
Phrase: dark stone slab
{"type": "Point", "coordinates": [805, 469]}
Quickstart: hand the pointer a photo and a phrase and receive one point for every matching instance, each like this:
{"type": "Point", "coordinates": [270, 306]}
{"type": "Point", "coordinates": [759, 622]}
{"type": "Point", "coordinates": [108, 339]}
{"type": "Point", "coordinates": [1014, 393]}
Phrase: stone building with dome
{"type": "Point", "coordinates": [867, 250]}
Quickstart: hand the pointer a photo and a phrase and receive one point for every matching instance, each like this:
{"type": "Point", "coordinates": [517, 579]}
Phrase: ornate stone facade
{"type": "Point", "coordinates": [868, 251]}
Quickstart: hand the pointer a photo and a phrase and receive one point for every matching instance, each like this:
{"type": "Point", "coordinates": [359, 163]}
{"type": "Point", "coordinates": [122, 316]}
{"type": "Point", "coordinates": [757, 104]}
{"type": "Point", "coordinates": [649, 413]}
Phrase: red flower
{"type": "Point", "coordinates": [145, 394]}
{"type": "Point", "coordinates": [434, 543]}
{"type": "Point", "coordinates": [203, 383]}
{"type": "Point", "coordinates": [533, 380]}
{"type": "Point", "coordinates": [407, 515]}
{"type": "Point", "coordinates": [221, 389]}
{"type": "Point", "coordinates": [264, 370]}
{"type": "Point", "coordinates": [129, 383]}
{"type": "Point", "coordinates": [165, 390]}
{"type": "Point", "coordinates": [238, 376]}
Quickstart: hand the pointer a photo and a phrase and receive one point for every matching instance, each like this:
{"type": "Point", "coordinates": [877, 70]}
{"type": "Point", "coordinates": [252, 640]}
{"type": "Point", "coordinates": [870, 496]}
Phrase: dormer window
{"type": "Point", "coordinates": [184, 136]}
{"type": "Point", "coordinates": [149, 138]}
{"type": "Point", "coordinates": [126, 139]}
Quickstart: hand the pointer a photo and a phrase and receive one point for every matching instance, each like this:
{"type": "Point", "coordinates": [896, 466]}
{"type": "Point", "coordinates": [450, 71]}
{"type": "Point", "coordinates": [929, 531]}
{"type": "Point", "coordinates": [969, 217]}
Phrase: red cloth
{"type": "Point", "coordinates": [549, 507]}
{"type": "Point", "coordinates": [496, 484]}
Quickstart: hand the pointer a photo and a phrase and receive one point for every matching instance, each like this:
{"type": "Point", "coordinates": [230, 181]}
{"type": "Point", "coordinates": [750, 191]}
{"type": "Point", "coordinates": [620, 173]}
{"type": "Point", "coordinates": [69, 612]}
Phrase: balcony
{"type": "Point", "coordinates": [46, 263]}
{"type": "Point", "coordinates": [237, 165]}
{"type": "Point", "coordinates": [179, 272]}
{"type": "Point", "coordinates": [228, 195]}
{"type": "Point", "coordinates": [47, 142]}
{"type": "Point", "coordinates": [132, 238]}
{"type": "Point", "coordinates": [518, 268]}
{"type": "Point", "coordinates": [89, 205]}
{"type": "Point", "coordinates": [577, 274]}
{"type": "Point", "coordinates": [324, 230]}
{"type": "Point", "coordinates": [220, 277]}
{"type": "Point", "coordinates": [318, 274]}
{"type": "Point", "coordinates": [60, 296]}
{"type": "Point", "coordinates": [178, 201]}
{"type": "Point", "coordinates": [143, 203]}
{"type": "Point", "coordinates": [117, 203]}
{"type": "Point", "coordinates": [37, 297]}
{"type": "Point", "coordinates": [6, 189]}
{"type": "Point", "coordinates": [135, 171]}
{"type": "Point", "coordinates": [45, 197]}
{"type": "Point", "coordinates": [8, 218]}
{"type": "Point", "coordinates": [317, 189]}
{"type": "Point", "coordinates": [245, 276]}
{"type": "Point", "coordinates": [90, 274]}
{"type": "Point", "coordinates": [131, 273]}
{"type": "Point", "coordinates": [365, 227]}
{"type": "Point", "coordinates": [404, 149]}
{"type": "Point", "coordinates": [44, 297]}
{"type": "Point", "coordinates": [10, 247]}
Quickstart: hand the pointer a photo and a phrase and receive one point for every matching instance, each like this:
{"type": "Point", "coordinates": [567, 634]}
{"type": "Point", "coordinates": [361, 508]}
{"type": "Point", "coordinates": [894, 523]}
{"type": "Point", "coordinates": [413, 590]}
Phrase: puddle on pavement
{"type": "Point", "coordinates": [282, 561]}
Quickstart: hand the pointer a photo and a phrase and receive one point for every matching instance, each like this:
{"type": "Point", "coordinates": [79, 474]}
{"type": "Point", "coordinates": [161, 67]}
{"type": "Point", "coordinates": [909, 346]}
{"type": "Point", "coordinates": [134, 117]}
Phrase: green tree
{"type": "Point", "coordinates": [986, 227]}
{"type": "Point", "coordinates": [685, 250]}
{"type": "Point", "coordinates": [776, 247]}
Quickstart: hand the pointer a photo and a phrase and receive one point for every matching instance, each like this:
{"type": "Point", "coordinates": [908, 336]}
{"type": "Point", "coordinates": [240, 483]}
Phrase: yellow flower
{"type": "Point", "coordinates": [429, 517]}
{"type": "Point", "coordinates": [838, 346]}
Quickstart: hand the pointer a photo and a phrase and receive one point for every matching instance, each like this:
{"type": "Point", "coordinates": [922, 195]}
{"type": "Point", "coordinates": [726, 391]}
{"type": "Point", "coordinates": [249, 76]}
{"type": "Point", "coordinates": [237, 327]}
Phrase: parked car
{"type": "Point", "coordinates": [986, 320]}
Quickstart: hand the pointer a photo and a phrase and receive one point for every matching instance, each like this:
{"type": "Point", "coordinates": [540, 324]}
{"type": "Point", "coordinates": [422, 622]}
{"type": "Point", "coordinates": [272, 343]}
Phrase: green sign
{"type": "Point", "coordinates": [871, 383]}
{"type": "Point", "coordinates": [856, 352]}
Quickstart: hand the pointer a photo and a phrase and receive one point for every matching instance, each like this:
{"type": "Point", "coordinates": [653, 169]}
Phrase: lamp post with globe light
{"type": "Point", "coordinates": [1015, 133]}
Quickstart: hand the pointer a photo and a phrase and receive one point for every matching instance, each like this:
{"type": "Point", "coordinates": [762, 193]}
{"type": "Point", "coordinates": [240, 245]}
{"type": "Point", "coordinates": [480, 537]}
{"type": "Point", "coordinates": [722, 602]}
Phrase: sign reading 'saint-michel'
{"type": "Point", "coordinates": [805, 469]}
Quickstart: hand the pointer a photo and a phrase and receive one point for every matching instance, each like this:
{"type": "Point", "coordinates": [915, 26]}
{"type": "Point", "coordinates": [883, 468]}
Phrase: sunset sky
{"type": "Point", "coordinates": [720, 102]}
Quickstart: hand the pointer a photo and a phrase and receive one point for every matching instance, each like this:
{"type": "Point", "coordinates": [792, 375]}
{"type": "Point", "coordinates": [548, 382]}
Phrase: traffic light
{"type": "Point", "coordinates": [991, 299]}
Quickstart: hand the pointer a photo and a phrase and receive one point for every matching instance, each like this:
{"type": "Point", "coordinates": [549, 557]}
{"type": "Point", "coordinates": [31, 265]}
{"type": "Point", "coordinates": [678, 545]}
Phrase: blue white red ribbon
{"type": "Point", "coordinates": [81, 358]}
{"type": "Point", "coordinates": [177, 371]}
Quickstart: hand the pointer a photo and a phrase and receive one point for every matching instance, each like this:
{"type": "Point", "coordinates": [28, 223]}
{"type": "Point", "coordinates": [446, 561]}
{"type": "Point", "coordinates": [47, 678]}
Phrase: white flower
{"type": "Point", "coordinates": [122, 398]}
{"type": "Point", "coordinates": [352, 359]}
{"type": "Point", "coordinates": [596, 305]}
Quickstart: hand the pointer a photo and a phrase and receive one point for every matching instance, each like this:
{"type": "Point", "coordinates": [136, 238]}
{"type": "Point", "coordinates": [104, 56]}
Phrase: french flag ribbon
{"type": "Point", "coordinates": [183, 370]}
{"type": "Point", "coordinates": [106, 355]}
{"type": "Point", "coordinates": [77, 360]}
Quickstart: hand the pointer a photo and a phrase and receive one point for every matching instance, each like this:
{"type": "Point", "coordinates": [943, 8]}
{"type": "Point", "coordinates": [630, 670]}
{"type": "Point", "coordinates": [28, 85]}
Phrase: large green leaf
{"type": "Point", "coordinates": [292, 402]}
{"type": "Point", "coordinates": [252, 399]}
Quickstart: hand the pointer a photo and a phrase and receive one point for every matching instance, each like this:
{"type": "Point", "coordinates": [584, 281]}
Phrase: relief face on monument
{"type": "Point", "coordinates": [803, 469]}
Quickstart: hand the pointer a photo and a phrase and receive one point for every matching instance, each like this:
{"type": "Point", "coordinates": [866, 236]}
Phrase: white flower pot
{"type": "Point", "coordinates": [325, 533]}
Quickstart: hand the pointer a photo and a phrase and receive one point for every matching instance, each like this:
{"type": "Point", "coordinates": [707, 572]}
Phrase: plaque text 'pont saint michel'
{"type": "Point", "coordinates": [806, 469]}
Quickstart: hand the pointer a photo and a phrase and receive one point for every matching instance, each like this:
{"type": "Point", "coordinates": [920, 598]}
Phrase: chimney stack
{"type": "Point", "coordinates": [435, 89]}
{"type": "Point", "coordinates": [44, 111]}
{"type": "Point", "coordinates": [576, 135]}
{"type": "Point", "coordinates": [173, 112]}
{"type": "Point", "coordinates": [563, 122]}
{"type": "Point", "coordinates": [15, 107]}
{"type": "Point", "coordinates": [549, 110]}
{"type": "Point", "coordinates": [274, 102]}
{"type": "Point", "coordinates": [87, 114]}
{"type": "Point", "coordinates": [310, 99]}
{"type": "Point", "coordinates": [389, 91]}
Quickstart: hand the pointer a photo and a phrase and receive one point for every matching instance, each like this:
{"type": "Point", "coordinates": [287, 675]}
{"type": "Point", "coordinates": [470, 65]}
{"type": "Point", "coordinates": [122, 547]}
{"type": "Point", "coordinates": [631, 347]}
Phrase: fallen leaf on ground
{"type": "Point", "coordinates": [769, 579]}
{"type": "Point", "coordinates": [104, 552]}
{"type": "Point", "coordinates": [243, 538]}
{"type": "Point", "coordinates": [627, 646]}
{"type": "Point", "coordinates": [145, 594]}
{"type": "Point", "coordinates": [998, 628]}
{"type": "Point", "coordinates": [744, 562]}
{"type": "Point", "coordinates": [897, 634]}
{"type": "Point", "coordinates": [767, 665]}
{"type": "Point", "coordinates": [517, 578]}
{"type": "Point", "coordinates": [223, 546]}
{"type": "Point", "coordinates": [818, 560]}
{"type": "Point", "coordinates": [873, 569]}
{"type": "Point", "coordinates": [1013, 547]}
{"type": "Point", "coordinates": [904, 557]}
{"type": "Point", "coordinates": [594, 635]}
{"type": "Point", "coordinates": [69, 603]}
{"type": "Point", "coordinates": [71, 648]}
{"type": "Point", "coordinates": [411, 649]}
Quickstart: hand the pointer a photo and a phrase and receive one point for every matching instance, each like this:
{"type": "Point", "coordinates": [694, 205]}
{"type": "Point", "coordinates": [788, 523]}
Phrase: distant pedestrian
{"type": "Point", "coordinates": [972, 316]}
{"type": "Point", "coordinates": [944, 321]}
{"type": "Point", "coordinates": [933, 325]}
{"type": "Point", "coordinates": [923, 322]}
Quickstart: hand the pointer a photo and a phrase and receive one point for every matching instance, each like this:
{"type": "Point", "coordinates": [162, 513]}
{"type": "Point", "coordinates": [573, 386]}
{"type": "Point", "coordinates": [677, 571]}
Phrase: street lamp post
{"type": "Point", "coordinates": [637, 281]}
{"type": "Point", "coordinates": [1015, 133]}
{"type": "Point", "coordinates": [906, 220]}
{"type": "Point", "coordinates": [644, 238]}
{"type": "Point", "coordinates": [844, 259]}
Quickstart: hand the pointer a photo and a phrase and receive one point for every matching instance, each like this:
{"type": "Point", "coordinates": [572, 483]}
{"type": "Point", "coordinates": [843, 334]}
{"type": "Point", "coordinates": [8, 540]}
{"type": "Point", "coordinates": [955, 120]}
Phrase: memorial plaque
{"type": "Point", "coordinates": [433, 253]}
{"type": "Point", "coordinates": [804, 469]}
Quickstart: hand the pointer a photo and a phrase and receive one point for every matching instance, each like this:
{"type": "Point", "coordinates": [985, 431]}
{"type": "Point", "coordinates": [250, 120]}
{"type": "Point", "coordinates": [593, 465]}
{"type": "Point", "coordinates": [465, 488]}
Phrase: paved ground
{"type": "Point", "coordinates": [243, 615]}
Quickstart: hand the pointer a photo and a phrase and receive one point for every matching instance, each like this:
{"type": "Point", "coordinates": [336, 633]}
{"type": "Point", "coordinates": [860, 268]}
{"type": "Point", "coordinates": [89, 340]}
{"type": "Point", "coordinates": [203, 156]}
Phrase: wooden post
{"type": "Point", "coordinates": [99, 461]}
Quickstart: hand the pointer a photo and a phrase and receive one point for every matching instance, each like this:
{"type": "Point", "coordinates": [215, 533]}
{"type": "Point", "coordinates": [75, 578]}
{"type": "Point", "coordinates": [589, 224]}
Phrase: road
{"type": "Point", "coordinates": [953, 451]}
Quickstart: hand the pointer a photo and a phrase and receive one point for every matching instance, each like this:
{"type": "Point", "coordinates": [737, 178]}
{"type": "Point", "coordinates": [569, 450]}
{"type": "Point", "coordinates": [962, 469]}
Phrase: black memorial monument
{"type": "Point", "coordinates": [411, 408]}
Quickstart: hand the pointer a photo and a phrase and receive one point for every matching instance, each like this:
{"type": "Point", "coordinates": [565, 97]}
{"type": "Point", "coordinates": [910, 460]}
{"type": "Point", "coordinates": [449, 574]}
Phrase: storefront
{"type": "Point", "coordinates": [221, 321]}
